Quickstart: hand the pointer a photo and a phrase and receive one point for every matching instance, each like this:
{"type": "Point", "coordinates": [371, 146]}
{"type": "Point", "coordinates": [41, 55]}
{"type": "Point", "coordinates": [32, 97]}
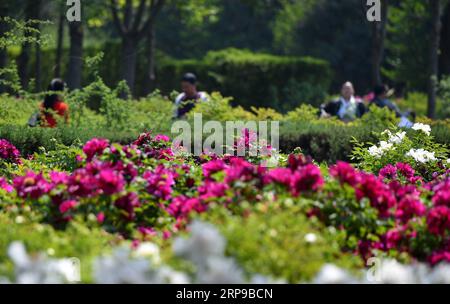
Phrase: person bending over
{"type": "Point", "coordinates": [53, 104]}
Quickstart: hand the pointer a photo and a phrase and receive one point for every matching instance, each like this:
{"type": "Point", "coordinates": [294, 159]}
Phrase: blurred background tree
{"type": "Point", "coordinates": [409, 49]}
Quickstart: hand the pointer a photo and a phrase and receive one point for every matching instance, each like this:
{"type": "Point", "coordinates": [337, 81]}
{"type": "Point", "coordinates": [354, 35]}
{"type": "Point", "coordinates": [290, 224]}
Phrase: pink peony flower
{"type": "Point", "coordinates": [162, 138]}
{"type": "Point", "coordinates": [9, 152]}
{"type": "Point", "coordinates": [182, 206]}
{"type": "Point", "coordinates": [58, 178]}
{"type": "Point", "coordinates": [240, 169]}
{"type": "Point", "coordinates": [442, 194]}
{"type": "Point", "coordinates": [211, 190]}
{"type": "Point", "coordinates": [408, 207]}
{"type": "Point", "coordinates": [405, 169]}
{"type": "Point", "coordinates": [393, 238]}
{"type": "Point", "coordinates": [31, 185]}
{"type": "Point", "coordinates": [82, 183]}
{"type": "Point", "coordinates": [128, 203]}
{"type": "Point", "coordinates": [439, 257]}
{"type": "Point", "coordinates": [67, 206]}
{"type": "Point", "coordinates": [280, 176]}
{"type": "Point", "coordinates": [388, 172]}
{"type": "Point", "coordinates": [110, 181]}
{"type": "Point", "coordinates": [213, 166]}
{"type": "Point", "coordinates": [438, 220]}
{"type": "Point", "coordinates": [95, 147]}
{"type": "Point", "coordinates": [160, 182]}
{"type": "Point", "coordinates": [345, 173]}
{"type": "Point", "coordinates": [5, 186]}
{"type": "Point", "coordinates": [147, 231]}
{"type": "Point", "coordinates": [100, 218]}
{"type": "Point", "coordinates": [307, 178]}
{"type": "Point", "coordinates": [296, 161]}
{"type": "Point", "coordinates": [377, 192]}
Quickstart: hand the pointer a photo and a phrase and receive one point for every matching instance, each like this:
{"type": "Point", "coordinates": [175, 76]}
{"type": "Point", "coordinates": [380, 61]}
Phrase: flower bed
{"type": "Point", "coordinates": [146, 191]}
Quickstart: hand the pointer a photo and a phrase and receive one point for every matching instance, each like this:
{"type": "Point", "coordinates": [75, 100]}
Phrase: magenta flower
{"type": "Point", "coordinates": [213, 166]}
{"type": "Point", "coordinates": [182, 206]}
{"type": "Point", "coordinates": [345, 173]}
{"type": "Point", "coordinates": [211, 190]}
{"type": "Point", "coordinates": [280, 176]}
{"type": "Point", "coordinates": [58, 178]}
{"type": "Point", "coordinates": [160, 182]}
{"type": "Point", "coordinates": [110, 181]}
{"type": "Point", "coordinates": [438, 220]}
{"type": "Point", "coordinates": [9, 152]}
{"type": "Point", "coordinates": [408, 207]}
{"type": "Point", "coordinates": [405, 169]}
{"type": "Point", "coordinates": [306, 178]}
{"type": "Point", "coordinates": [442, 194]}
{"type": "Point", "coordinates": [82, 183]}
{"type": "Point", "coordinates": [388, 172]}
{"type": "Point", "coordinates": [128, 203]}
{"type": "Point", "coordinates": [100, 218]}
{"type": "Point", "coordinates": [440, 256]}
{"type": "Point", "coordinates": [5, 186]}
{"type": "Point", "coordinates": [161, 137]}
{"type": "Point", "coordinates": [296, 161]}
{"type": "Point", "coordinates": [31, 185]}
{"type": "Point", "coordinates": [377, 192]}
{"type": "Point", "coordinates": [393, 238]}
{"type": "Point", "coordinates": [67, 206]}
{"type": "Point", "coordinates": [240, 169]}
{"type": "Point", "coordinates": [95, 147]}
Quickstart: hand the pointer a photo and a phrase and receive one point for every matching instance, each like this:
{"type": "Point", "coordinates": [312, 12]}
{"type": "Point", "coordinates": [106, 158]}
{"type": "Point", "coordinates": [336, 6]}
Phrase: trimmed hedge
{"type": "Point", "coordinates": [259, 80]}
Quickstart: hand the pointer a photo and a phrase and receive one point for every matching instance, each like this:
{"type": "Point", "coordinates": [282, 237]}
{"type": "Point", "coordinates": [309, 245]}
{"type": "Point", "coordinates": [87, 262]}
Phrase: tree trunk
{"type": "Point", "coordinates": [444, 64]}
{"type": "Point", "coordinates": [60, 42]}
{"type": "Point", "coordinates": [74, 75]}
{"type": "Point", "coordinates": [38, 66]}
{"type": "Point", "coordinates": [151, 59]}
{"type": "Point", "coordinates": [129, 55]}
{"type": "Point", "coordinates": [32, 12]}
{"type": "Point", "coordinates": [3, 53]}
{"type": "Point", "coordinates": [23, 61]}
{"type": "Point", "coordinates": [378, 38]}
{"type": "Point", "coordinates": [435, 31]}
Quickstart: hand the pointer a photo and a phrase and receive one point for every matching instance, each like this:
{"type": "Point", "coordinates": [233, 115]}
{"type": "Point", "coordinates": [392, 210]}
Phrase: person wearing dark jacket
{"type": "Point", "coordinates": [381, 100]}
{"type": "Point", "coordinates": [347, 108]}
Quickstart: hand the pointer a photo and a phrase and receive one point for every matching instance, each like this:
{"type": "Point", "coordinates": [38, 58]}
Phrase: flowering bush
{"type": "Point", "coordinates": [8, 152]}
{"type": "Point", "coordinates": [416, 148]}
{"type": "Point", "coordinates": [145, 191]}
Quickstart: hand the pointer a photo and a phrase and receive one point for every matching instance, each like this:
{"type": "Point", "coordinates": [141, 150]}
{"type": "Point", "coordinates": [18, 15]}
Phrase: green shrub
{"type": "Point", "coordinates": [275, 242]}
{"type": "Point", "coordinates": [260, 80]}
{"type": "Point", "coordinates": [76, 241]}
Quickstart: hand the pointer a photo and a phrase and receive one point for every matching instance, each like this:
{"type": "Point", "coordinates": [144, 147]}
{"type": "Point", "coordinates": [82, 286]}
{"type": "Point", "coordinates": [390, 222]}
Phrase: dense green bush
{"type": "Point", "coordinates": [253, 79]}
{"type": "Point", "coordinates": [280, 243]}
{"type": "Point", "coordinates": [76, 241]}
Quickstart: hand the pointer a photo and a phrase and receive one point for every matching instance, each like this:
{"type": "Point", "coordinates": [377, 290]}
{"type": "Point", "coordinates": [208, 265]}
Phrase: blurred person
{"type": "Point", "coordinates": [187, 100]}
{"type": "Point", "coordinates": [347, 108]}
{"type": "Point", "coordinates": [53, 104]}
{"type": "Point", "coordinates": [381, 100]}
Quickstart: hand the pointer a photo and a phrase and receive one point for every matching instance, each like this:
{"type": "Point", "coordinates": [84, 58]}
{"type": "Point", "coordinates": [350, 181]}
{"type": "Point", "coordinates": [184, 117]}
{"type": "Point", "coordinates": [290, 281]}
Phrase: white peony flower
{"type": "Point", "coordinates": [421, 155]}
{"type": "Point", "coordinates": [422, 127]}
{"type": "Point", "coordinates": [331, 274]}
{"type": "Point", "coordinates": [220, 270]}
{"type": "Point", "coordinates": [397, 138]}
{"type": "Point", "coordinates": [392, 272]}
{"type": "Point", "coordinates": [310, 238]}
{"type": "Point", "coordinates": [148, 250]}
{"type": "Point", "coordinates": [205, 241]}
{"type": "Point", "coordinates": [379, 151]}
